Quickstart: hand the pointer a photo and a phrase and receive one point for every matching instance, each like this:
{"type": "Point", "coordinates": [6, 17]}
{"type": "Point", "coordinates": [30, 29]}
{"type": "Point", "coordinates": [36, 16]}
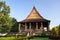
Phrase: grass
{"type": "Point", "coordinates": [10, 38]}
{"type": "Point", "coordinates": [39, 39]}
{"type": "Point", "coordinates": [23, 37]}
{"type": "Point", "coordinates": [14, 38]}
{"type": "Point", "coordinates": [7, 38]}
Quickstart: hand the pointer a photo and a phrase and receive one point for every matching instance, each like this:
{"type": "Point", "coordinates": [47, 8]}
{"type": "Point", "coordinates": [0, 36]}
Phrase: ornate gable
{"type": "Point", "coordinates": [34, 14]}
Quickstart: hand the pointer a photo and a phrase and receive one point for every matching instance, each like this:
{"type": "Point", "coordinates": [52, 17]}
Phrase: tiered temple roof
{"type": "Point", "coordinates": [34, 16]}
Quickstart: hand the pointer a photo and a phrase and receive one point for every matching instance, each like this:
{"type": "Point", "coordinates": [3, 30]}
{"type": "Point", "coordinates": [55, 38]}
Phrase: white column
{"type": "Point", "coordinates": [25, 26]}
{"type": "Point", "coordinates": [29, 25]}
{"type": "Point", "coordinates": [29, 28]}
{"type": "Point", "coordinates": [41, 26]}
{"type": "Point", "coordinates": [48, 26]}
{"type": "Point", "coordinates": [36, 26]}
{"type": "Point", "coordinates": [19, 27]}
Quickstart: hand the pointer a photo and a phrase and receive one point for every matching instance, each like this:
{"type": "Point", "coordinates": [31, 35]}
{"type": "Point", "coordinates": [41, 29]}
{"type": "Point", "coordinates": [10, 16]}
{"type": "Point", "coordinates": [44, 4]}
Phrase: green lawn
{"type": "Point", "coordinates": [20, 38]}
{"type": "Point", "coordinates": [9, 38]}
{"type": "Point", "coordinates": [39, 39]}
{"type": "Point", "coordinates": [12, 37]}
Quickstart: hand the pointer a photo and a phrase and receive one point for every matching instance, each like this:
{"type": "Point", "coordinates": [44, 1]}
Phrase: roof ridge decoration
{"type": "Point", "coordinates": [34, 14]}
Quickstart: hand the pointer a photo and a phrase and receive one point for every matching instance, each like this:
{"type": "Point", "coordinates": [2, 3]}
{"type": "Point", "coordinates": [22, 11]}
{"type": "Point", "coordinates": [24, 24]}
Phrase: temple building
{"type": "Point", "coordinates": [34, 23]}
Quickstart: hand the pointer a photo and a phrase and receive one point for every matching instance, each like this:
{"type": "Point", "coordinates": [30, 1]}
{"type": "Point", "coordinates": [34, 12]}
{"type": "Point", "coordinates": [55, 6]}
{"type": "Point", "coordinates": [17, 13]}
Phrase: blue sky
{"type": "Point", "coordinates": [49, 9]}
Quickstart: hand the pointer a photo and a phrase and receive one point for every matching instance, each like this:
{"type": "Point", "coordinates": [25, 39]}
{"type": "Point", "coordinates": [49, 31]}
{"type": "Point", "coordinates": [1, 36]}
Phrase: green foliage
{"type": "Point", "coordinates": [15, 25]}
{"type": "Point", "coordinates": [6, 22]}
{"type": "Point", "coordinates": [59, 30]}
{"type": "Point", "coordinates": [43, 34]}
{"type": "Point", "coordinates": [55, 31]}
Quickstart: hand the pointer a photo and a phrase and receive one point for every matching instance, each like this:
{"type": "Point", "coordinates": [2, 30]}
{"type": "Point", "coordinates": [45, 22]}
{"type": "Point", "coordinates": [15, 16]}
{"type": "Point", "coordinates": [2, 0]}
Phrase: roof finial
{"type": "Point", "coordinates": [33, 7]}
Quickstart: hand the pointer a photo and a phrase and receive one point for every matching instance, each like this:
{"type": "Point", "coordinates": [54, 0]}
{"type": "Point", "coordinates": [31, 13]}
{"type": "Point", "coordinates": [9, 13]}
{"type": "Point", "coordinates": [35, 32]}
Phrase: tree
{"type": "Point", "coordinates": [59, 30]}
{"type": "Point", "coordinates": [15, 25]}
{"type": "Point", "coordinates": [55, 30]}
{"type": "Point", "coordinates": [5, 20]}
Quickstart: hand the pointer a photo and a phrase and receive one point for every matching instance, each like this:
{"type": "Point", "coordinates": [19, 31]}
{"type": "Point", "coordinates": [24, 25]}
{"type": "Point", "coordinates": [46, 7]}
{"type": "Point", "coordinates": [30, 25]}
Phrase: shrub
{"type": "Point", "coordinates": [43, 34]}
